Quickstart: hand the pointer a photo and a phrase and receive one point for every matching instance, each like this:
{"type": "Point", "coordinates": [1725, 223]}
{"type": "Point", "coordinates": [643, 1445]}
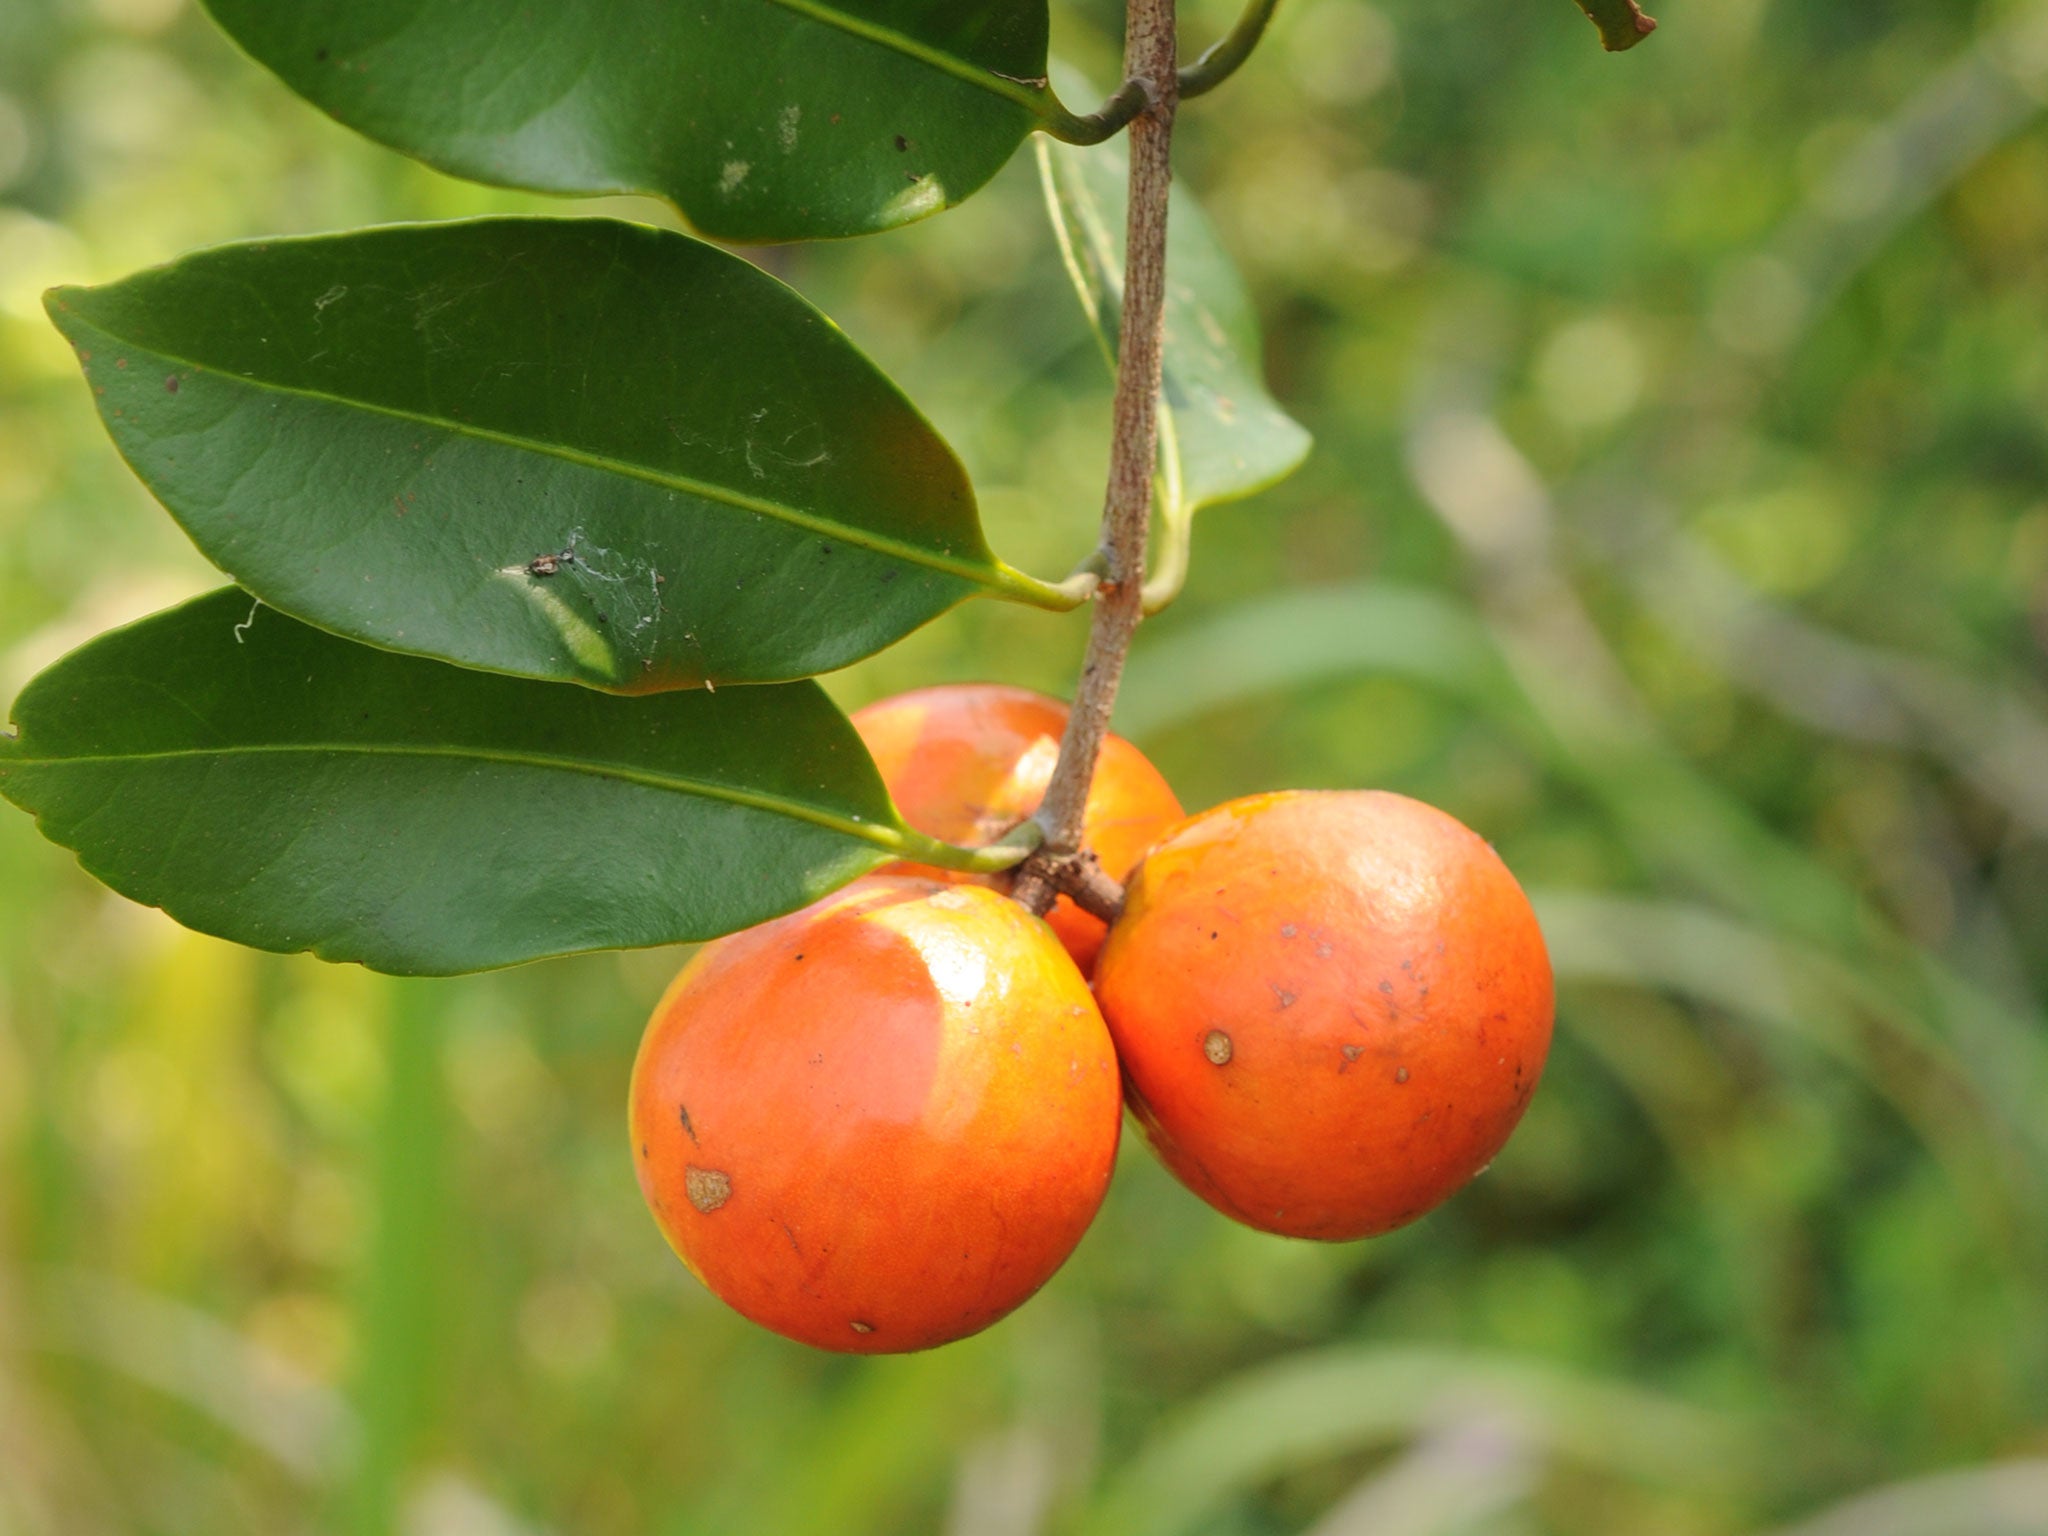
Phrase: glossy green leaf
{"type": "Point", "coordinates": [759, 119]}
{"type": "Point", "coordinates": [1222, 436]}
{"type": "Point", "coordinates": [265, 781]}
{"type": "Point", "coordinates": [567, 449]}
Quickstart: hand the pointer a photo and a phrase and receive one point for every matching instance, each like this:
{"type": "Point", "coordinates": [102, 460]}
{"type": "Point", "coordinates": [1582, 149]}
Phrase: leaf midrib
{"type": "Point", "coordinates": [882, 835]}
{"type": "Point", "coordinates": [1010, 90]}
{"type": "Point", "coordinates": [990, 576]}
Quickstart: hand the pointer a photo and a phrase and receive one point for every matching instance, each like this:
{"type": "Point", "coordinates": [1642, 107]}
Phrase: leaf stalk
{"type": "Point", "coordinates": [1622, 23]}
{"type": "Point", "coordinates": [1217, 64]}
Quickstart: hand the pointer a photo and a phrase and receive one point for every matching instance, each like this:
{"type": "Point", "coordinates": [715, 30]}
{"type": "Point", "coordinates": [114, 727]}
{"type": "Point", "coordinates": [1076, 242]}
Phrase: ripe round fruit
{"type": "Point", "coordinates": [1331, 1008]}
{"type": "Point", "coordinates": [880, 1123]}
{"type": "Point", "coordinates": [966, 762]}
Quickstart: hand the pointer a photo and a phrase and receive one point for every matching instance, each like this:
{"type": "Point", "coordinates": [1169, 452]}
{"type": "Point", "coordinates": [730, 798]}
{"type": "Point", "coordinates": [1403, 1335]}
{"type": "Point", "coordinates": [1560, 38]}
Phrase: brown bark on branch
{"type": "Point", "coordinates": [1150, 60]}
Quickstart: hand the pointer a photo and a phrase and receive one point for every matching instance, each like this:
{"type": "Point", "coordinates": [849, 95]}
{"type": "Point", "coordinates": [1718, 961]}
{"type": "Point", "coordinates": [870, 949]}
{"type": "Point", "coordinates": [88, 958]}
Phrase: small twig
{"type": "Point", "coordinates": [1222, 58]}
{"type": "Point", "coordinates": [1105, 122]}
{"type": "Point", "coordinates": [1622, 23]}
{"type": "Point", "coordinates": [1127, 503]}
{"type": "Point", "coordinates": [1081, 876]}
{"type": "Point", "coordinates": [1217, 64]}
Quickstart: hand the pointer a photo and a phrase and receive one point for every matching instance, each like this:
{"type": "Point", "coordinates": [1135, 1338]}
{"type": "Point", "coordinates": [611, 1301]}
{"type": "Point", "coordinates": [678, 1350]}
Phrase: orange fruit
{"type": "Point", "coordinates": [880, 1123]}
{"type": "Point", "coordinates": [966, 762]}
{"type": "Point", "coordinates": [1331, 1008]}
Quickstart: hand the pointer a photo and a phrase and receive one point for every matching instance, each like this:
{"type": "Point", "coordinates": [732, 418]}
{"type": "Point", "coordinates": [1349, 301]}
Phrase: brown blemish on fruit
{"type": "Point", "coordinates": [707, 1188]}
{"type": "Point", "coordinates": [1353, 1052]}
{"type": "Point", "coordinates": [860, 1327]}
{"type": "Point", "coordinates": [1400, 1074]}
{"type": "Point", "coordinates": [1286, 997]}
{"type": "Point", "coordinates": [689, 1130]}
{"type": "Point", "coordinates": [1216, 1046]}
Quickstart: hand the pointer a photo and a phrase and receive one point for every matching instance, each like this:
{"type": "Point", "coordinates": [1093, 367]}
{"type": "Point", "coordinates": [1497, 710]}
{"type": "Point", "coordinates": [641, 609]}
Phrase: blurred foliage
{"type": "Point", "coordinates": [1679, 518]}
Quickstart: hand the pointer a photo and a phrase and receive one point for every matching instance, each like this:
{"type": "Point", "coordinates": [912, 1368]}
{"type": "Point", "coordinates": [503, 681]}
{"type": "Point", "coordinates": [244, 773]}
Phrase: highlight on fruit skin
{"type": "Point", "coordinates": [966, 762]}
{"type": "Point", "coordinates": [1331, 1008]}
{"type": "Point", "coordinates": [880, 1123]}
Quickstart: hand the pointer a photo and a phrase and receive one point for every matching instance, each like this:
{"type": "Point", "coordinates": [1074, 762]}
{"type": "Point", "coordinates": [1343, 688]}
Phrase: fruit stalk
{"type": "Point", "coordinates": [1151, 60]}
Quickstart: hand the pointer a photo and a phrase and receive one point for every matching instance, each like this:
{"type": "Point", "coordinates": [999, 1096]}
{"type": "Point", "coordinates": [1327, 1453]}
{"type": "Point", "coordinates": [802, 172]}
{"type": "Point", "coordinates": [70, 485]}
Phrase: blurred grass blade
{"type": "Point", "coordinates": [1826, 1005]}
{"type": "Point", "coordinates": [1340, 1401]}
{"type": "Point", "coordinates": [1994, 737]}
{"type": "Point", "coordinates": [180, 1351]}
{"type": "Point", "coordinates": [1239, 654]}
{"type": "Point", "coordinates": [2005, 1499]}
{"type": "Point", "coordinates": [1453, 1482]}
{"type": "Point", "coordinates": [403, 1295]}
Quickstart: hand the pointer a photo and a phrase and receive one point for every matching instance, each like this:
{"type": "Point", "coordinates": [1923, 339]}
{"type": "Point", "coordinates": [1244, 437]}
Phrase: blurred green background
{"type": "Point", "coordinates": [1679, 519]}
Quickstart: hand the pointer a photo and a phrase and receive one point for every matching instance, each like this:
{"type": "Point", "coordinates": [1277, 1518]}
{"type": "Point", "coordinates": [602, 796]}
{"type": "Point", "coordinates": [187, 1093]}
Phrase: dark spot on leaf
{"type": "Point", "coordinates": [171, 385]}
{"type": "Point", "coordinates": [902, 144]}
{"type": "Point", "coordinates": [320, 55]}
{"type": "Point", "coordinates": [550, 565]}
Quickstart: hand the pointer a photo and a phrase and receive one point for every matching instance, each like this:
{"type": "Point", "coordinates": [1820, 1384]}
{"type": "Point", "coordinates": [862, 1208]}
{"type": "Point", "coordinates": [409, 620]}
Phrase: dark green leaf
{"type": "Point", "coordinates": [264, 781]}
{"type": "Point", "coordinates": [1221, 434]}
{"type": "Point", "coordinates": [760, 119]}
{"type": "Point", "coordinates": [568, 449]}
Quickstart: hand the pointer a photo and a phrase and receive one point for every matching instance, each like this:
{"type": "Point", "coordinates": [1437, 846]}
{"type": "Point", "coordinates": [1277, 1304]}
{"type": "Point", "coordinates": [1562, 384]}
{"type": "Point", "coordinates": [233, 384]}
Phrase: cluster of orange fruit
{"type": "Point", "coordinates": [882, 1122]}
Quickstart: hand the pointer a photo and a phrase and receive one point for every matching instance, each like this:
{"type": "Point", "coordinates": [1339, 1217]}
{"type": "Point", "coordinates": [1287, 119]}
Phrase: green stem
{"type": "Point", "coordinates": [1224, 57]}
{"type": "Point", "coordinates": [1105, 122]}
{"type": "Point", "coordinates": [1216, 65]}
{"type": "Point", "coordinates": [1007, 852]}
{"type": "Point", "coordinates": [1622, 23]}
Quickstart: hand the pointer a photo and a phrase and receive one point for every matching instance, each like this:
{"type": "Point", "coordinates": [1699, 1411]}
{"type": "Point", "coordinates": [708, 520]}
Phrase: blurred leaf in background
{"type": "Point", "coordinates": [1678, 518]}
